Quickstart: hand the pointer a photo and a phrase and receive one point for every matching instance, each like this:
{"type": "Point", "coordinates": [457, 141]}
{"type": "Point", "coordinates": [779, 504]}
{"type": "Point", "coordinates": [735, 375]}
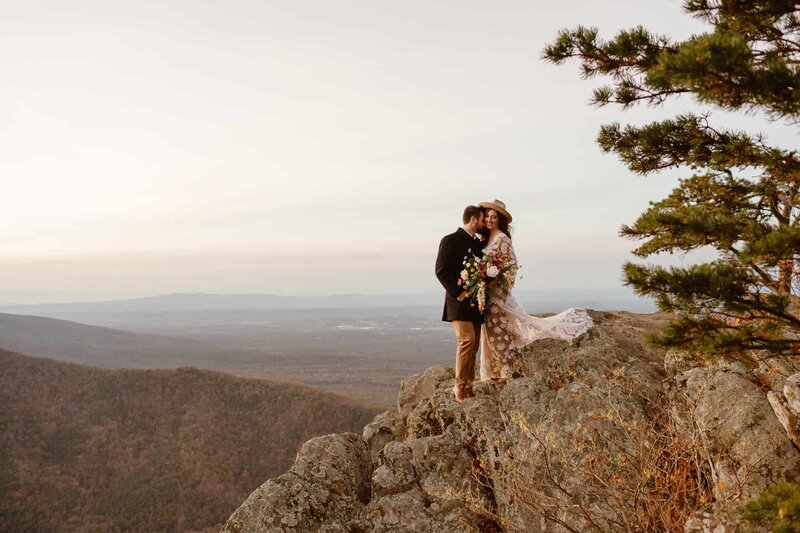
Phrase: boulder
{"type": "Point", "coordinates": [740, 434]}
{"type": "Point", "coordinates": [386, 427]}
{"type": "Point", "coordinates": [324, 490]}
{"type": "Point", "coordinates": [421, 387]}
{"type": "Point", "coordinates": [791, 391]}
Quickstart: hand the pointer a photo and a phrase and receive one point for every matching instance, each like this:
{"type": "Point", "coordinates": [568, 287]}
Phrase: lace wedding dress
{"type": "Point", "coordinates": [508, 328]}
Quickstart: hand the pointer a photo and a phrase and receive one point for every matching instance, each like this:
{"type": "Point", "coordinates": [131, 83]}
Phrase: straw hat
{"type": "Point", "coordinates": [498, 206]}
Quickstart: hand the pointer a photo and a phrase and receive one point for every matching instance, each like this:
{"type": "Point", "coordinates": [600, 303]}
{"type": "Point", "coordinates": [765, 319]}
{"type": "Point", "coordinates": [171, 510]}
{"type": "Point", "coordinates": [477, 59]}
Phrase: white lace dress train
{"type": "Point", "coordinates": [508, 328]}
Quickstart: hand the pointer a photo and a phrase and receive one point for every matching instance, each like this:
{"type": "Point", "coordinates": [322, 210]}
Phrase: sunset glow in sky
{"type": "Point", "coordinates": [305, 147]}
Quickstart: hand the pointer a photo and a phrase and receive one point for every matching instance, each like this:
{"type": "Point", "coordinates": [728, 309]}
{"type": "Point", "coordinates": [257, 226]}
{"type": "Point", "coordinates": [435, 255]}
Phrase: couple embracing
{"type": "Point", "coordinates": [477, 265]}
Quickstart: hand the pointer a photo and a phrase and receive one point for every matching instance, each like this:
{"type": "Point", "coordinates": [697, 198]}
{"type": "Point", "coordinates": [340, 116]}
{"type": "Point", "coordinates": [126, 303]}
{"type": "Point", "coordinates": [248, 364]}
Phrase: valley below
{"type": "Point", "coordinates": [354, 345]}
{"type": "Point", "coordinates": [362, 354]}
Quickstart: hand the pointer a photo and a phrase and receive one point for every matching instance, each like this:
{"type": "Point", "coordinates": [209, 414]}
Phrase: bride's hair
{"type": "Point", "coordinates": [502, 224]}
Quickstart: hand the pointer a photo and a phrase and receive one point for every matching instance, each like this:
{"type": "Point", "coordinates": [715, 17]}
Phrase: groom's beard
{"type": "Point", "coordinates": [484, 233]}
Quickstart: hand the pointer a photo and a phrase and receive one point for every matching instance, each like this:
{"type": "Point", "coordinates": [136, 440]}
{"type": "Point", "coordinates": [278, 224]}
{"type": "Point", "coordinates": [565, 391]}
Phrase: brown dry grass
{"type": "Point", "coordinates": [654, 486]}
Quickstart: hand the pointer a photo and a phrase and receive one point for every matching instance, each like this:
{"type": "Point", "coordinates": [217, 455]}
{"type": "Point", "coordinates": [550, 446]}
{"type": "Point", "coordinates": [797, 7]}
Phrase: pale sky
{"type": "Point", "coordinates": [302, 147]}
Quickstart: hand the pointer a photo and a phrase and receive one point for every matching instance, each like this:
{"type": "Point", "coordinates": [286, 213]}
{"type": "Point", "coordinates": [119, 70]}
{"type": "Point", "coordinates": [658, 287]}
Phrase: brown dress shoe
{"type": "Point", "coordinates": [459, 393]}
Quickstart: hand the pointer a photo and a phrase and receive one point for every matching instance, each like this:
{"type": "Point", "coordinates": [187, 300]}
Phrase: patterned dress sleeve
{"type": "Point", "coordinates": [507, 251]}
{"type": "Point", "coordinates": [508, 261]}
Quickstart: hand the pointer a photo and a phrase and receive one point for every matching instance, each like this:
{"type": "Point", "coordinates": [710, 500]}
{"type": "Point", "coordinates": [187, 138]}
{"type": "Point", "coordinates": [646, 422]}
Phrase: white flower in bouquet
{"type": "Point", "coordinates": [481, 296]}
{"type": "Point", "coordinates": [492, 271]}
{"type": "Point", "coordinates": [464, 274]}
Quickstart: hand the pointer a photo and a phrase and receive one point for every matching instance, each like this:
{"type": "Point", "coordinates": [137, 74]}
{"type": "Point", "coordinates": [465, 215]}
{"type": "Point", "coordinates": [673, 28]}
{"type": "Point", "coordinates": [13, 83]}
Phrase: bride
{"type": "Point", "coordinates": [508, 328]}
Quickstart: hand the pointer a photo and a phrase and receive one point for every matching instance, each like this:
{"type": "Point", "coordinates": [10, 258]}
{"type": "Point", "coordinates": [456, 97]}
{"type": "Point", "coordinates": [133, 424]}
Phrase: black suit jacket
{"type": "Point", "coordinates": [449, 263]}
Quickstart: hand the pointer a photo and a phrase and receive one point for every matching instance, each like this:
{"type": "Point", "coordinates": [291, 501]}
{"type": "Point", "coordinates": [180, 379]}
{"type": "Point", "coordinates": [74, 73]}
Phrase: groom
{"type": "Point", "coordinates": [466, 319]}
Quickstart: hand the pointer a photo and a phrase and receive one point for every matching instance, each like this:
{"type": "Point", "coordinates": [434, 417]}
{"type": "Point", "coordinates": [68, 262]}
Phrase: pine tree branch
{"type": "Point", "coordinates": [758, 305]}
{"type": "Point", "coordinates": [788, 200]}
{"type": "Point", "coordinates": [765, 278]}
{"type": "Point", "coordinates": [775, 209]}
{"type": "Point", "coordinates": [728, 67]}
{"type": "Point", "coordinates": [653, 97]}
{"type": "Point", "coordinates": [690, 140]}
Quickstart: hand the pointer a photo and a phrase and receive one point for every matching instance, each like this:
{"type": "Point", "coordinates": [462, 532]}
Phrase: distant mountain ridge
{"type": "Point", "coordinates": [218, 302]}
{"type": "Point", "coordinates": [553, 300]}
{"type": "Point", "coordinates": [88, 449]}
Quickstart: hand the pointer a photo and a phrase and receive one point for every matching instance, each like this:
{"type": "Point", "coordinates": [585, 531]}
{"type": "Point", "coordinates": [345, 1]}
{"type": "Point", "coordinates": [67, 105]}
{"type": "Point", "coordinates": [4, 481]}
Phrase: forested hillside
{"type": "Point", "coordinates": [89, 449]}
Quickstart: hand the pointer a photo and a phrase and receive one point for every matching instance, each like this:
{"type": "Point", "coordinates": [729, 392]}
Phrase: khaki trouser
{"type": "Point", "coordinates": [468, 339]}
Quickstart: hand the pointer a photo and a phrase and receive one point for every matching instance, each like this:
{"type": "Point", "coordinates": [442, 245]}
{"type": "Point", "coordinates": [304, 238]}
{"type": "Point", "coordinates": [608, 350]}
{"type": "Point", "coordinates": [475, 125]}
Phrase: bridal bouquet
{"type": "Point", "coordinates": [492, 267]}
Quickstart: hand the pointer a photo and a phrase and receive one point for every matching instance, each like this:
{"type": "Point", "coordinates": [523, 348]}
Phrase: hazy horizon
{"type": "Point", "coordinates": [9, 299]}
{"type": "Point", "coordinates": [308, 147]}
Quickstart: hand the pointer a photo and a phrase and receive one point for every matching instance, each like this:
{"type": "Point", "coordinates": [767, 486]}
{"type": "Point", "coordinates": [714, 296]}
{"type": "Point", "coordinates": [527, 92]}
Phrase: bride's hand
{"type": "Point", "coordinates": [462, 296]}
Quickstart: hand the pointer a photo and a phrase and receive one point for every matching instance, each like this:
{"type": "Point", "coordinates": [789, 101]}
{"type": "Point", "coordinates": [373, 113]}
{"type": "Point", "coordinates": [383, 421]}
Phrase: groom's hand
{"type": "Point", "coordinates": [462, 296]}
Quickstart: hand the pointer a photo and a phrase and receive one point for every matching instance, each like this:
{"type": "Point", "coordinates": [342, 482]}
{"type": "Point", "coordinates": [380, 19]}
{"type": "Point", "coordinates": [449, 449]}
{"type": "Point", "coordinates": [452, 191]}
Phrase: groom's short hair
{"type": "Point", "coordinates": [471, 211]}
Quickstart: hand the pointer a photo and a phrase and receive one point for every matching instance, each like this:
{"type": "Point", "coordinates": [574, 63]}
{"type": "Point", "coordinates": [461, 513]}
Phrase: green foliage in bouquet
{"type": "Point", "coordinates": [473, 281]}
{"type": "Point", "coordinates": [778, 507]}
{"type": "Point", "coordinates": [740, 195]}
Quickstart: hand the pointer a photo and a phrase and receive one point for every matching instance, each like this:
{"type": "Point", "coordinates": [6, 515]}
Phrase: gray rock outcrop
{"type": "Point", "coordinates": [603, 435]}
{"type": "Point", "coordinates": [328, 484]}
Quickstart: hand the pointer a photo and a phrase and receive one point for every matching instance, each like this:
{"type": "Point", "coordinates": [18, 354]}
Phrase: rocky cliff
{"type": "Point", "coordinates": [602, 435]}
